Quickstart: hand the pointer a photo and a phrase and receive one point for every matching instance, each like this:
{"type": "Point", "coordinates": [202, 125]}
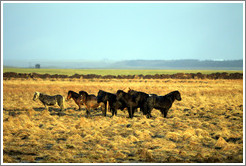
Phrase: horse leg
{"type": "Point", "coordinates": [149, 115]}
{"type": "Point", "coordinates": [90, 112]}
{"type": "Point", "coordinates": [130, 112]}
{"type": "Point", "coordinates": [46, 107]}
{"type": "Point", "coordinates": [164, 112]}
{"type": "Point", "coordinates": [78, 103]}
{"type": "Point", "coordinates": [144, 109]}
{"type": "Point", "coordinates": [148, 111]}
{"type": "Point", "coordinates": [114, 112]}
{"type": "Point", "coordinates": [105, 109]}
{"type": "Point", "coordinates": [61, 103]}
{"type": "Point", "coordinates": [87, 112]}
{"type": "Point", "coordinates": [62, 108]}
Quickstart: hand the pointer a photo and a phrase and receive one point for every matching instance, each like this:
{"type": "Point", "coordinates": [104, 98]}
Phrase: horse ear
{"type": "Point", "coordinates": [129, 89]}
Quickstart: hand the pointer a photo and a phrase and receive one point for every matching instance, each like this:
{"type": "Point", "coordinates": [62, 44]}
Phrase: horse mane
{"type": "Point", "coordinates": [39, 93]}
{"type": "Point", "coordinates": [73, 93]}
{"type": "Point", "coordinates": [83, 93]}
{"type": "Point", "coordinates": [121, 91]}
{"type": "Point", "coordinates": [102, 91]}
{"type": "Point", "coordinates": [173, 92]}
{"type": "Point", "coordinates": [169, 94]}
{"type": "Point", "coordinates": [172, 95]}
{"type": "Point", "coordinates": [125, 94]}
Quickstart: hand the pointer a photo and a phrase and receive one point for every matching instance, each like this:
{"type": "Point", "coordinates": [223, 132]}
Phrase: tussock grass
{"type": "Point", "coordinates": [206, 126]}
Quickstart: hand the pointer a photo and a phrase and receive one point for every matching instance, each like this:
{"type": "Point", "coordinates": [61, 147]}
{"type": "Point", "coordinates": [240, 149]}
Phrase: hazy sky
{"type": "Point", "coordinates": [120, 31]}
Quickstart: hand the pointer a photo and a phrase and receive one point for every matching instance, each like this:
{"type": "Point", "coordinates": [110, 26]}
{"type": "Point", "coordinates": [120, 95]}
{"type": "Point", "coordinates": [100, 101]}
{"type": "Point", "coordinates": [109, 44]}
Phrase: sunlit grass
{"type": "Point", "coordinates": [205, 126]}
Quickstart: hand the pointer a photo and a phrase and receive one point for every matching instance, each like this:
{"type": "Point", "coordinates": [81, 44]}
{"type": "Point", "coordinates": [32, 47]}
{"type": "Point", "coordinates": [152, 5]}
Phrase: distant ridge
{"type": "Point", "coordinates": [181, 64]}
{"type": "Point", "coordinates": [185, 64]}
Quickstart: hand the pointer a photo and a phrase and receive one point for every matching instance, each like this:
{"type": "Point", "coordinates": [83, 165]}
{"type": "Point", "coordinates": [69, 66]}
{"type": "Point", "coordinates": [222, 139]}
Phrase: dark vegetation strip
{"type": "Point", "coordinates": [223, 75]}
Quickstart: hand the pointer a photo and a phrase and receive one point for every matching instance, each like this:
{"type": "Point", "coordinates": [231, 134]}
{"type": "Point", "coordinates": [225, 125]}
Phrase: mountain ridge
{"type": "Point", "coordinates": [138, 64]}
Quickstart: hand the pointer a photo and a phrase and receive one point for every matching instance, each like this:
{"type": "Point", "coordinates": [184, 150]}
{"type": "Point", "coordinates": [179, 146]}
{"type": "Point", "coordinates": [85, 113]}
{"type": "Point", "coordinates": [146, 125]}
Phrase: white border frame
{"type": "Point", "coordinates": [3, 2]}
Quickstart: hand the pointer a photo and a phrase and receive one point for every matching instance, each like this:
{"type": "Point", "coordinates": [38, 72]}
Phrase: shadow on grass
{"type": "Point", "coordinates": [72, 111]}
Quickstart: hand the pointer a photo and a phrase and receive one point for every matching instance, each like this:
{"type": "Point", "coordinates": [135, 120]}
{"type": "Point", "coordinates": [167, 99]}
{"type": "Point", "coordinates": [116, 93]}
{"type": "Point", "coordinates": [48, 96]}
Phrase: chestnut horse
{"type": "Point", "coordinates": [76, 97]}
{"type": "Point", "coordinates": [90, 102]}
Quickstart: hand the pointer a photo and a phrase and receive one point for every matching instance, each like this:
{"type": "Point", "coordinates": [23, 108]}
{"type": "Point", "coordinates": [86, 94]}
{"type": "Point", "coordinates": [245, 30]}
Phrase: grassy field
{"type": "Point", "coordinates": [206, 126]}
{"type": "Point", "coordinates": [110, 71]}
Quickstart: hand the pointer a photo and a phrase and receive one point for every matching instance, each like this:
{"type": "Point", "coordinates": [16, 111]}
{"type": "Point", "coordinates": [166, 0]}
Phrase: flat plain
{"type": "Point", "coordinates": [103, 72]}
{"type": "Point", "coordinates": [205, 126]}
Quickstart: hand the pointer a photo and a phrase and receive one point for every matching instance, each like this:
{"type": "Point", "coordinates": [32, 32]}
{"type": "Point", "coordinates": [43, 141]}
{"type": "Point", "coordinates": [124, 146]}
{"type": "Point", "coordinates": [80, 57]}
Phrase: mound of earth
{"type": "Point", "coordinates": [217, 75]}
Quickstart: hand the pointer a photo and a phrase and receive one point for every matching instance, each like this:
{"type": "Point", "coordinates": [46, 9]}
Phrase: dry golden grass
{"type": "Point", "coordinates": [206, 126]}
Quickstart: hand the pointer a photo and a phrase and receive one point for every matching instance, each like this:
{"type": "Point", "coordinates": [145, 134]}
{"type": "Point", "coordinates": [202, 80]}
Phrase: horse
{"type": "Point", "coordinates": [90, 102]}
{"type": "Point", "coordinates": [129, 101]}
{"type": "Point", "coordinates": [140, 98]}
{"type": "Point", "coordinates": [50, 100]}
{"type": "Point", "coordinates": [76, 97]}
{"type": "Point", "coordinates": [109, 99]}
{"type": "Point", "coordinates": [162, 103]}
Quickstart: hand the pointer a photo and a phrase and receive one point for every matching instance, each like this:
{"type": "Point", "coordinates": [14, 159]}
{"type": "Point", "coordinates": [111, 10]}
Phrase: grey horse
{"type": "Point", "coordinates": [50, 100]}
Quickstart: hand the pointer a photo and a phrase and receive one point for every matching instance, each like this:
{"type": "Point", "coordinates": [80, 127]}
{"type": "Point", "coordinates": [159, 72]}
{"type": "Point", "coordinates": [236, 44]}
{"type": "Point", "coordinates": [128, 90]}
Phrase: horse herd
{"type": "Point", "coordinates": [130, 100]}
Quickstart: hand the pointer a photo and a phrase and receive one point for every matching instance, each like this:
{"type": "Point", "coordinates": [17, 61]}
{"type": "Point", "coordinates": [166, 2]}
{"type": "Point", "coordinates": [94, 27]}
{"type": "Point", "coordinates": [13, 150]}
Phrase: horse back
{"type": "Point", "coordinates": [110, 97]}
{"type": "Point", "coordinates": [91, 98]}
{"type": "Point", "coordinates": [163, 102]}
{"type": "Point", "coordinates": [60, 99]}
{"type": "Point", "coordinates": [139, 97]}
{"type": "Point", "coordinates": [91, 101]}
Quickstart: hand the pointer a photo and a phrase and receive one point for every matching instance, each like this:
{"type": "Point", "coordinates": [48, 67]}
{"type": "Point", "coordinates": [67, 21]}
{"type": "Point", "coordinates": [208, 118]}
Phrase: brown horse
{"type": "Point", "coordinates": [90, 102]}
{"type": "Point", "coordinates": [76, 97]}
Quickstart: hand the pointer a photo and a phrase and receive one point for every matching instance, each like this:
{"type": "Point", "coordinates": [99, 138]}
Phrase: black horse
{"type": "Point", "coordinates": [162, 103]}
{"type": "Point", "coordinates": [105, 97]}
{"type": "Point", "coordinates": [140, 99]}
{"type": "Point", "coordinates": [128, 100]}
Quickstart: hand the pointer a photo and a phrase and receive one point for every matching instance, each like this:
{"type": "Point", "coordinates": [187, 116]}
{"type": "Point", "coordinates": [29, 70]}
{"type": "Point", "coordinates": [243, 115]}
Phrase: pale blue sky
{"type": "Point", "coordinates": [125, 31]}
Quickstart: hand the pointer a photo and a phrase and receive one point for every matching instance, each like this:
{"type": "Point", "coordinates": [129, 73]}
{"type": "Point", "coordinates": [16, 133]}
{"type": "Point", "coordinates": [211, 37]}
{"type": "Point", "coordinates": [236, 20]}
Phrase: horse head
{"type": "Point", "coordinates": [69, 95]}
{"type": "Point", "coordinates": [101, 96]}
{"type": "Point", "coordinates": [177, 95]}
{"type": "Point", "coordinates": [120, 94]}
{"type": "Point", "coordinates": [36, 96]}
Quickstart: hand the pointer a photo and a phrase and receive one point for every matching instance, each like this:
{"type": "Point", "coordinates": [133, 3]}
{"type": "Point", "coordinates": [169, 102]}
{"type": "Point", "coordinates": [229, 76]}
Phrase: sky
{"type": "Point", "coordinates": [122, 31]}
